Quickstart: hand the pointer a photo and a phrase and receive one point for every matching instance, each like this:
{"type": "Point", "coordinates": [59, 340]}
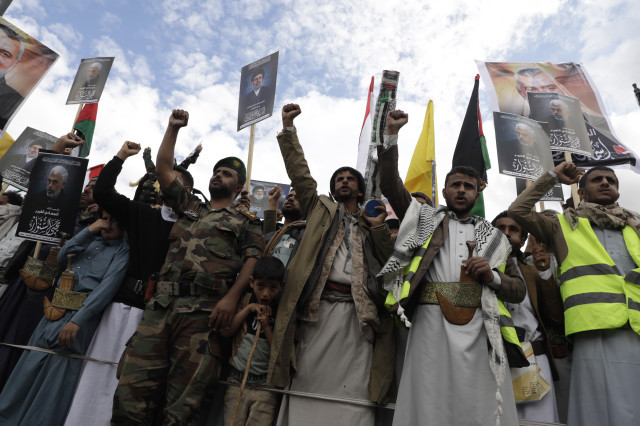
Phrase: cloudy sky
{"type": "Point", "coordinates": [188, 54]}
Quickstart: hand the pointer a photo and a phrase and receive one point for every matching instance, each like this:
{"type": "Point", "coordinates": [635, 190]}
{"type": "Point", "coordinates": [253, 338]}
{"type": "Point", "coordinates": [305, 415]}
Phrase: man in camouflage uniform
{"type": "Point", "coordinates": [174, 353]}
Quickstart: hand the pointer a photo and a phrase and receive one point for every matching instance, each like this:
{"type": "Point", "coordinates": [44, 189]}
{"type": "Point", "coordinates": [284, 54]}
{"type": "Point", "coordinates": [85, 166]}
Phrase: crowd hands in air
{"type": "Point", "coordinates": [427, 311]}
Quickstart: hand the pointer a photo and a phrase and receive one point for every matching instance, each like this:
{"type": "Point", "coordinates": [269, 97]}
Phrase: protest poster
{"type": "Point", "coordinates": [554, 194]}
{"type": "Point", "coordinates": [16, 164]}
{"type": "Point", "coordinates": [90, 80]}
{"type": "Point", "coordinates": [257, 90]}
{"type": "Point", "coordinates": [523, 146]}
{"type": "Point", "coordinates": [509, 82]}
{"type": "Point", "coordinates": [567, 129]}
{"type": "Point", "coordinates": [51, 203]}
{"type": "Point", "coordinates": [25, 61]}
{"type": "Point", "coordinates": [259, 195]}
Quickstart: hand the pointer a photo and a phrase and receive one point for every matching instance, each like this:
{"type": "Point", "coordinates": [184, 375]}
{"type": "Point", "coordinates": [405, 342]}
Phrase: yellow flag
{"type": "Point", "coordinates": [421, 176]}
{"type": "Point", "coordinates": [5, 143]}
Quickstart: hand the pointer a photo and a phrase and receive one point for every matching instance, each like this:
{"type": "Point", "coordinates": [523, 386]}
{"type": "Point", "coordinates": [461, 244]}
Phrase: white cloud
{"type": "Point", "coordinates": [110, 22]}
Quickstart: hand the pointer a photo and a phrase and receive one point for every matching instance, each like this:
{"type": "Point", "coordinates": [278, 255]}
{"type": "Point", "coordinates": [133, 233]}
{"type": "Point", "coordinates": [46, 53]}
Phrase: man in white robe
{"type": "Point", "coordinates": [453, 373]}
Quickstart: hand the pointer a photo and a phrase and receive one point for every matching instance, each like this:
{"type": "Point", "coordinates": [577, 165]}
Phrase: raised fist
{"type": "Point", "coordinates": [69, 140]}
{"type": "Point", "coordinates": [568, 173]}
{"type": "Point", "coordinates": [289, 112]}
{"type": "Point", "coordinates": [130, 148]}
{"type": "Point", "coordinates": [179, 118]}
{"type": "Point", "coordinates": [273, 197]}
{"type": "Point", "coordinates": [395, 120]}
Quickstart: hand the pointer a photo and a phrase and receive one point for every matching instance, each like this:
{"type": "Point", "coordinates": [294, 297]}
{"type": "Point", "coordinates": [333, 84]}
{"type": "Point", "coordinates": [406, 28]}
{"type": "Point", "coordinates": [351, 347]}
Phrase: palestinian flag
{"type": "Point", "coordinates": [471, 149]}
{"type": "Point", "coordinates": [85, 125]}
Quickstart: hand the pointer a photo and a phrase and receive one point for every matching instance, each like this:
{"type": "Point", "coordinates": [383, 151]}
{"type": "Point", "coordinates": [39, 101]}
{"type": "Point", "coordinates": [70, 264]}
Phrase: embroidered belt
{"type": "Point", "coordinates": [459, 294]}
{"type": "Point", "coordinates": [68, 299]}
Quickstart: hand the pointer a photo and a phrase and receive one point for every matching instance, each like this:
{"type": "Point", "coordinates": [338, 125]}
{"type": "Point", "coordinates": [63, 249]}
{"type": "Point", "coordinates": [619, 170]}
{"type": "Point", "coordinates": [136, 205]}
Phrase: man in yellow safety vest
{"type": "Point", "coordinates": [597, 246]}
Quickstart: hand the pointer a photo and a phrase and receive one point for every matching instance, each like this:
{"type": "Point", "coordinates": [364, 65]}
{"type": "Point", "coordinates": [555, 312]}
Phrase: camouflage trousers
{"type": "Point", "coordinates": [167, 366]}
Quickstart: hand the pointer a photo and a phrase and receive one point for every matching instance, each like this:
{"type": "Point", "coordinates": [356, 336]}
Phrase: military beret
{"type": "Point", "coordinates": [236, 164]}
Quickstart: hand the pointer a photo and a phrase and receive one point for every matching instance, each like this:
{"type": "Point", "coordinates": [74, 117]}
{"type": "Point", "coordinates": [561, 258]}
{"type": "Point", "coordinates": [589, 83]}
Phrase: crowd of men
{"type": "Point", "coordinates": [327, 318]}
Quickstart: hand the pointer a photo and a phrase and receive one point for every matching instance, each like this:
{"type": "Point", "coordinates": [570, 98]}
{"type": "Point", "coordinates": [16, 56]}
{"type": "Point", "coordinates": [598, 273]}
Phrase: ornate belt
{"type": "Point", "coordinates": [459, 294]}
{"type": "Point", "coordinates": [68, 299]}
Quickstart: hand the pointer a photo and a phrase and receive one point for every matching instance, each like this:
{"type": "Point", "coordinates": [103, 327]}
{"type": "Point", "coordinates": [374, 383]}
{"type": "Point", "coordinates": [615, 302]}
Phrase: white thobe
{"type": "Point", "coordinates": [446, 379]}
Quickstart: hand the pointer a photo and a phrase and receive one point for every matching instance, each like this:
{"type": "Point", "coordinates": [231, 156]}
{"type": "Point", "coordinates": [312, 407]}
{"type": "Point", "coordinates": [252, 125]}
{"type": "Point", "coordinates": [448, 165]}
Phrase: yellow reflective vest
{"type": "Point", "coordinates": [506, 322]}
{"type": "Point", "coordinates": [595, 294]}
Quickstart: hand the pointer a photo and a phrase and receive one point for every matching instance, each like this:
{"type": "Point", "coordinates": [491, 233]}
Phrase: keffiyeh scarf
{"type": "Point", "coordinates": [611, 216]}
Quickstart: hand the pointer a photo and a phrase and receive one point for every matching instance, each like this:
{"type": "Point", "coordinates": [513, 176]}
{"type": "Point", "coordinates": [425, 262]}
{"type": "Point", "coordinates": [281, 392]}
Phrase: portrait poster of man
{"type": "Point", "coordinates": [523, 146]}
{"type": "Point", "coordinates": [23, 63]}
{"type": "Point", "coordinates": [90, 80]}
{"type": "Point", "coordinates": [259, 195]}
{"type": "Point", "coordinates": [567, 129]}
{"type": "Point", "coordinates": [554, 194]}
{"type": "Point", "coordinates": [17, 162]}
{"type": "Point", "coordinates": [51, 203]}
{"type": "Point", "coordinates": [509, 82]}
{"type": "Point", "coordinates": [257, 90]}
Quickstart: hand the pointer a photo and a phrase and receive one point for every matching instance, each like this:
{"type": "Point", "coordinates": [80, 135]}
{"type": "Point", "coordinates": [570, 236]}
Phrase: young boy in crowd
{"type": "Point", "coordinates": [257, 407]}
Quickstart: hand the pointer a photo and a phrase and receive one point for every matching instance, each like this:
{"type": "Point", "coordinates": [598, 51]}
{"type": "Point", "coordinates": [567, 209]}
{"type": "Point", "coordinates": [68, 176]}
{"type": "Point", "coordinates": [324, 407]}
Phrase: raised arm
{"type": "Point", "coordinates": [270, 215]}
{"type": "Point", "coordinates": [68, 141]}
{"type": "Point", "coordinates": [391, 184]}
{"type": "Point", "coordinates": [105, 194]}
{"type": "Point", "coordinates": [192, 157]}
{"type": "Point", "coordinates": [294, 161]}
{"type": "Point", "coordinates": [164, 160]}
{"type": "Point", "coordinates": [522, 209]}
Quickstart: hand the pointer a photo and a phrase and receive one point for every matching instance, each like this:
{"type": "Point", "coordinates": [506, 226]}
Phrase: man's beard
{"type": "Point", "coordinates": [219, 192]}
{"type": "Point", "coordinates": [52, 193]}
{"type": "Point", "coordinates": [291, 213]}
{"type": "Point", "coordinates": [457, 211]}
{"type": "Point", "coordinates": [342, 198]}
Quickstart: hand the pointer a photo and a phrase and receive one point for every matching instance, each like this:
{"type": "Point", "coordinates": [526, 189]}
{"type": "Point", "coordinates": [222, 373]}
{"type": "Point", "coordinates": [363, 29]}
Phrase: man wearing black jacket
{"type": "Point", "coordinates": [147, 230]}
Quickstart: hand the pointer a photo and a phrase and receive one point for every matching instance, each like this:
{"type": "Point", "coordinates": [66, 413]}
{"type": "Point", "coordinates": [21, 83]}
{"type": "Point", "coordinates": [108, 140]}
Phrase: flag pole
{"type": "Point", "coordinates": [433, 182]}
{"type": "Point", "coordinates": [77, 115]}
{"type": "Point", "coordinates": [250, 159]}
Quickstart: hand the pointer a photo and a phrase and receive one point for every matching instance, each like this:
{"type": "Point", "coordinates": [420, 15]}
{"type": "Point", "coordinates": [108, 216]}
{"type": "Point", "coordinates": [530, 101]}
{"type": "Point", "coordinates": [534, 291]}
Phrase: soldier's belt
{"type": "Point", "coordinates": [68, 299]}
{"type": "Point", "coordinates": [168, 288]}
{"type": "Point", "coordinates": [459, 294]}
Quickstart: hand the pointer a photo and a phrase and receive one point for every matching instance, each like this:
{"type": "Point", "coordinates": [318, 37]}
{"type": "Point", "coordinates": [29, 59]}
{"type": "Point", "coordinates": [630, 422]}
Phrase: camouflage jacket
{"type": "Point", "coordinates": [207, 246]}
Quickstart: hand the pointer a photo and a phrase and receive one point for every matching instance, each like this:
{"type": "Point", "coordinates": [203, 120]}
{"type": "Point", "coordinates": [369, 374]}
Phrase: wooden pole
{"type": "Point", "coordinates": [4, 187]}
{"type": "Point", "coordinates": [36, 251]}
{"type": "Point", "coordinates": [250, 159]}
{"type": "Point", "coordinates": [246, 370]}
{"type": "Point", "coordinates": [574, 186]}
{"type": "Point", "coordinates": [77, 115]}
